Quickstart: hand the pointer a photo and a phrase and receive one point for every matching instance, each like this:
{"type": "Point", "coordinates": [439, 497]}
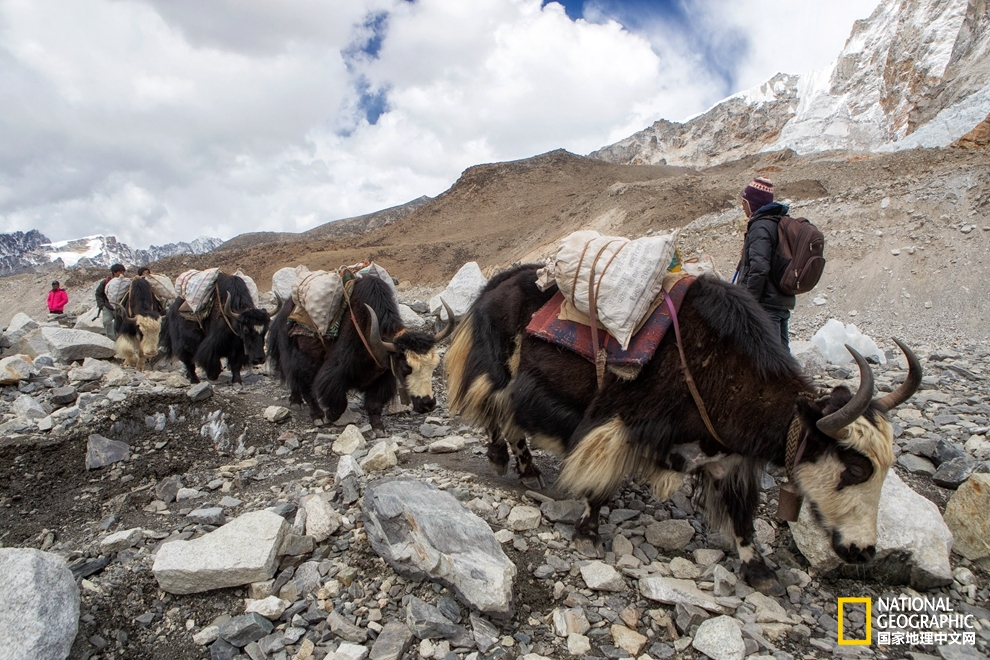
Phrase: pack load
{"type": "Point", "coordinates": [251, 287]}
{"type": "Point", "coordinates": [802, 245]}
{"type": "Point", "coordinates": [613, 280]}
{"type": "Point", "coordinates": [318, 296]}
{"type": "Point", "coordinates": [195, 287]}
{"type": "Point", "coordinates": [162, 287]}
{"type": "Point", "coordinates": [116, 289]}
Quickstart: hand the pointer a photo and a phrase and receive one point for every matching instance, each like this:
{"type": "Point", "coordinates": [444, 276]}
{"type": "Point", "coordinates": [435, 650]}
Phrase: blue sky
{"type": "Point", "coordinates": [162, 120]}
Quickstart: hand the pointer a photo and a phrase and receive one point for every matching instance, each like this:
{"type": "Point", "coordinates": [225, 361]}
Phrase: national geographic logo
{"type": "Point", "coordinates": [907, 620]}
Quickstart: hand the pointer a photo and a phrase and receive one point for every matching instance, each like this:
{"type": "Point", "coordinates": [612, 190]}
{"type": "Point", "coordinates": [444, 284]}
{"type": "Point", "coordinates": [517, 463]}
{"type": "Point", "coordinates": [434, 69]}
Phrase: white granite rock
{"type": "Point", "coordinates": [15, 368]}
{"type": "Point", "coordinates": [242, 551]}
{"type": "Point", "coordinates": [907, 525]}
{"type": "Point", "coordinates": [39, 616]}
{"type": "Point", "coordinates": [349, 441]}
{"type": "Point", "coordinates": [270, 607]}
{"type": "Point", "coordinates": [121, 540]}
{"type": "Point", "coordinates": [720, 638]}
{"type": "Point", "coordinates": [67, 345]}
{"type": "Point", "coordinates": [599, 576]}
{"type": "Point", "coordinates": [380, 457]}
{"type": "Point", "coordinates": [463, 288]}
{"type": "Point", "coordinates": [968, 516]}
{"type": "Point", "coordinates": [523, 518]}
{"type": "Point", "coordinates": [672, 591]}
{"type": "Point", "coordinates": [321, 520]}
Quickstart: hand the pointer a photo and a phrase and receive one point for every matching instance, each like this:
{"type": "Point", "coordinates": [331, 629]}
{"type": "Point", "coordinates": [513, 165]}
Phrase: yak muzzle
{"type": "Point", "coordinates": [852, 553]}
{"type": "Point", "coordinates": [423, 404]}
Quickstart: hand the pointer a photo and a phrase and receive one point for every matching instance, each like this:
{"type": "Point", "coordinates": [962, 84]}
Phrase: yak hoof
{"type": "Point", "coordinates": [499, 468]}
{"type": "Point", "coordinates": [318, 422]}
{"type": "Point", "coordinates": [379, 433]}
{"type": "Point", "coordinates": [589, 546]}
{"type": "Point", "coordinates": [759, 576]}
{"type": "Point", "coordinates": [532, 481]}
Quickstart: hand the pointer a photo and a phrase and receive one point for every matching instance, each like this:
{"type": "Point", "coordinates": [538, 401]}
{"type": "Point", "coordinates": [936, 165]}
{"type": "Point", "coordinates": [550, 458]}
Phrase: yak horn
{"type": "Point", "coordinates": [278, 302]}
{"type": "Point", "coordinates": [122, 313]}
{"type": "Point", "coordinates": [228, 312]}
{"type": "Point", "coordinates": [375, 336]}
{"type": "Point", "coordinates": [832, 424]}
{"type": "Point", "coordinates": [910, 384]}
{"type": "Point", "coordinates": [447, 329]}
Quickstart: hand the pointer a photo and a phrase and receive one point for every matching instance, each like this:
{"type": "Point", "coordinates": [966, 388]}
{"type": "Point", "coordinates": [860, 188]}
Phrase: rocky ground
{"type": "Point", "coordinates": [196, 457]}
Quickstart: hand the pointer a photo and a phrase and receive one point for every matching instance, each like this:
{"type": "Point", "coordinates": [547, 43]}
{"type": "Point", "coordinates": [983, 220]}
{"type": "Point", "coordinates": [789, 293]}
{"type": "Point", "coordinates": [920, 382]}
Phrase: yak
{"type": "Point", "coordinates": [836, 446]}
{"type": "Point", "coordinates": [373, 353]}
{"type": "Point", "coordinates": [233, 328]}
{"type": "Point", "coordinates": [137, 323]}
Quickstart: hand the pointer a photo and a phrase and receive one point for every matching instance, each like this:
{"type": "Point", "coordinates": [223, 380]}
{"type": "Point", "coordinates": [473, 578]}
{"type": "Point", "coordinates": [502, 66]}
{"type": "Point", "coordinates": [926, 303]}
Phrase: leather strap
{"type": "Point", "coordinates": [687, 375]}
{"type": "Point", "coordinates": [367, 346]}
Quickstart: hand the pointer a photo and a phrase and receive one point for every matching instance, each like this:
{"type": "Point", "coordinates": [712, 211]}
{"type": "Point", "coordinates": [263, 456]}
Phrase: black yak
{"type": "Point", "coordinates": [233, 328]}
{"type": "Point", "coordinates": [382, 358]}
{"type": "Point", "coordinates": [761, 405]}
{"type": "Point", "coordinates": [137, 323]}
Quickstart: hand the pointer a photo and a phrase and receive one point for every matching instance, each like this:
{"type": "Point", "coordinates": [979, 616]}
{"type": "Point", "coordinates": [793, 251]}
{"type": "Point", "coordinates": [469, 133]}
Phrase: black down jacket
{"type": "Point", "coordinates": [760, 261]}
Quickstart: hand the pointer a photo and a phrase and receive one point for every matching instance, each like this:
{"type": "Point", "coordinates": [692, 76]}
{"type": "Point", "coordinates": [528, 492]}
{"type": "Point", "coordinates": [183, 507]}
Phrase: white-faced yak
{"type": "Point", "coordinates": [233, 329]}
{"type": "Point", "coordinates": [373, 353]}
{"type": "Point", "coordinates": [137, 323]}
{"type": "Point", "coordinates": [761, 405]}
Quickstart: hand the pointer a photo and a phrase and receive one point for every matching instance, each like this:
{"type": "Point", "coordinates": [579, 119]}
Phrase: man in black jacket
{"type": "Point", "coordinates": [103, 304]}
{"type": "Point", "coordinates": [760, 260]}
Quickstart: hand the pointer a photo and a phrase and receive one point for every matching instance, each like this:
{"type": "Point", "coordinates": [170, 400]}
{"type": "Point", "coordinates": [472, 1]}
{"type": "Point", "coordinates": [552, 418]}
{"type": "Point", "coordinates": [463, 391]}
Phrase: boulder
{"type": "Point", "coordinates": [87, 321]}
{"type": "Point", "coordinates": [670, 534]}
{"type": "Point", "coordinates": [424, 532]}
{"type": "Point", "coordinates": [599, 576]}
{"type": "Point", "coordinates": [101, 451]}
{"type": "Point", "coordinates": [673, 591]}
{"type": "Point", "coordinates": [720, 639]}
{"type": "Point", "coordinates": [380, 457]}
{"type": "Point", "coordinates": [968, 516]}
{"type": "Point", "coordinates": [410, 319]}
{"type": "Point", "coordinates": [67, 345]}
{"type": "Point", "coordinates": [321, 520]}
{"type": "Point", "coordinates": [464, 287]}
{"type": "Point", "coordinates": [15, 368]}
{"type": "Point", "coordinates": [32, 344]}
{"type": "Point", "coordinates": [348, 442]}
{"type": "Point", "coordinates": [242, 551]}
{"type": "Point", "coordinates": [954, 472]}
{"type": "Point", "coordinates": [913, 542]}
{"type": "Point", "coordinates": [282, 282]}
{"type": "Point", "coordinates": [40, 613]}
{"type": "Point", "coordinates": [392, 642]}
{"type": "Point", "coordinates": [26, 407]}
{"type": "Point", "coordinates": [19, 326]}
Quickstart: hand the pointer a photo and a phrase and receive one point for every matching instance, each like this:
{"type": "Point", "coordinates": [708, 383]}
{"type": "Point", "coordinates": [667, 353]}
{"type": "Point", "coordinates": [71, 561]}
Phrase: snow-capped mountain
{"type": "Point", "coordinates": [915, 73]}
{"type": "Point", "coordinates": [20, 252]}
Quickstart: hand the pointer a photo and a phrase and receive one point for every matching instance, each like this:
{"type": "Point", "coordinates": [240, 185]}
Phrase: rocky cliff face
{"type": "Point", "coordinates": [916, 73]}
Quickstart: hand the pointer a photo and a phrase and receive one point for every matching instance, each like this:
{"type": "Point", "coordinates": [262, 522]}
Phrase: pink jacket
{"type": "Point", "coordinates": [57, 301]}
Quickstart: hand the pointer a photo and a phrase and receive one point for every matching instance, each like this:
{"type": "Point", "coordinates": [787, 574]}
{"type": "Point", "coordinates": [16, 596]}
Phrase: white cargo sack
{"type": "Point", "coordinates": [116, 288]}
{"type": "Point", "coordinates": [161, 286]}
{"type": "Point", "coordinates": [196, 288]}
{"type": "Point", "coordinates": [627, 276]}
{"type": "Point", "coordinates": [251, 286]}
{"type": "Point", "coordinates": [320, 294]}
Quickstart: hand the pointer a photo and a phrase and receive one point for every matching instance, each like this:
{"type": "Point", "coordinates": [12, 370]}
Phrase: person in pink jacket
{"type": "Point", "coordinates": [57, 299]}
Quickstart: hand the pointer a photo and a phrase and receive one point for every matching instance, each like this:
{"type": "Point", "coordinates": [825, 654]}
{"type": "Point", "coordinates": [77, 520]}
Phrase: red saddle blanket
{"type": "Point", "coordinates": [577, 337]}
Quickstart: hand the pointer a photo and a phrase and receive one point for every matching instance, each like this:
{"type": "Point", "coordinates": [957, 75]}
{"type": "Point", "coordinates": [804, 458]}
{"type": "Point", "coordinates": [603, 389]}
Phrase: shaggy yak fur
{"type": "Point", "coordinates": [322, 372]}
{"type": "Point", "coordinates": [137, 324]}
{"type": "Point", "coordinates": [234, 329]}
{"type": "Point", "coordinates": [517, 386]}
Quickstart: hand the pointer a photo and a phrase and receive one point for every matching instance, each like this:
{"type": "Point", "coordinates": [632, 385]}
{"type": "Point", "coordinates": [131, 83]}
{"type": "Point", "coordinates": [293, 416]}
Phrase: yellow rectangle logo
{"type": "Point", "coordinates": [869, 622]}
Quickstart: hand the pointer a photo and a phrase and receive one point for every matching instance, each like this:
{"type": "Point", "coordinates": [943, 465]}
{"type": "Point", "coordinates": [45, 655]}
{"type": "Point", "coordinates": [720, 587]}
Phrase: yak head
{"type": "Point", "coordinates": [847, 450]}
{"type": "Point", "coordinates": [250, 325]}
{"type": "Point", "coordinates": [148, 329]}
{"type": "Point", "coordinates": [412, 357]}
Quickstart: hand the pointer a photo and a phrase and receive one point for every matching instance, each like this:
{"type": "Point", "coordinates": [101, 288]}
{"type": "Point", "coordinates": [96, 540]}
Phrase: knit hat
{"type": "Point", "coordinates": [758, 193]}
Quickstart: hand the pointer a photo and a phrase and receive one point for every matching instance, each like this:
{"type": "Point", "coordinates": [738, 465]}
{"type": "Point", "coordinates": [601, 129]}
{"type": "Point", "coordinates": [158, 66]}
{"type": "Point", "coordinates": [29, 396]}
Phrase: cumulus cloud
{"type": "Point", "coordinates": [162, 120]}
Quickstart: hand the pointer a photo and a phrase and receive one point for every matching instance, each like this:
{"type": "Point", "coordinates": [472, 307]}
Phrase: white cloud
{"type": "Point", "coordinates": [162, 120]}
